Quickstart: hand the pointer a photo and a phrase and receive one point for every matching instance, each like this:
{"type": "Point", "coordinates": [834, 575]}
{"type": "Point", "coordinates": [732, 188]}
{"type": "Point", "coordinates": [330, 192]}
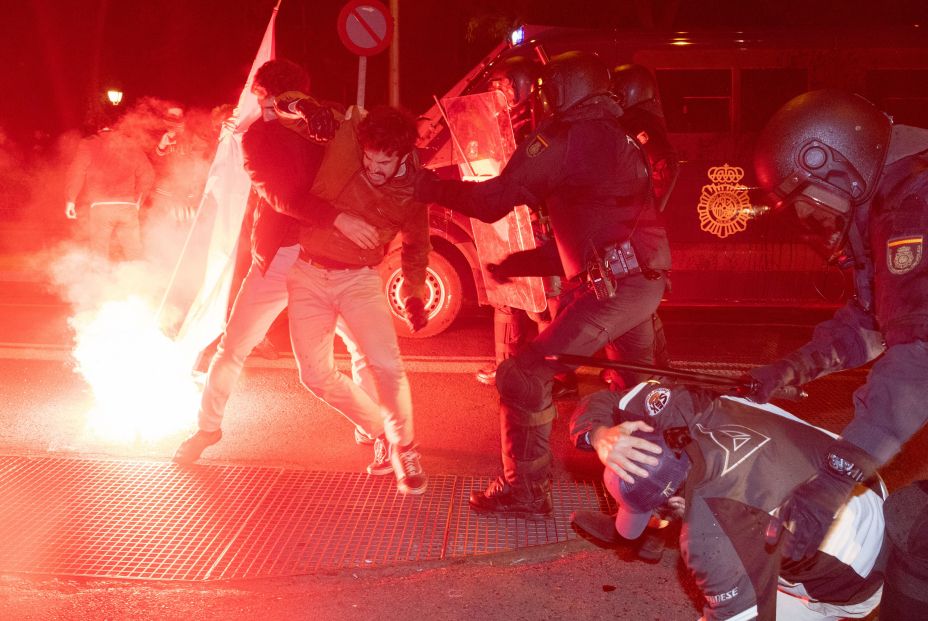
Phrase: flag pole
{"type": "Point", "coordinates": [245, 113]}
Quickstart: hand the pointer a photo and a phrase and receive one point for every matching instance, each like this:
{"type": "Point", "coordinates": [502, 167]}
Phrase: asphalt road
{"type": "Point", "coordinates": [271, 419]}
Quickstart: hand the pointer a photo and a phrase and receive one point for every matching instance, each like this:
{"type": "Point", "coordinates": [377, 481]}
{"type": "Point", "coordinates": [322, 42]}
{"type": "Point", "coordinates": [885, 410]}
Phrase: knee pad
{"type": "Point", "coordinates": [520, 388]}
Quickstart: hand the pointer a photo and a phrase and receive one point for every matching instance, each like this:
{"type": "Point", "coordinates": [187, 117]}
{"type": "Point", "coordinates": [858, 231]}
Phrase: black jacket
{"type": "Point", "coordinates": [592, 179]}
{"type": "Point", "coordinates": [280, 163]}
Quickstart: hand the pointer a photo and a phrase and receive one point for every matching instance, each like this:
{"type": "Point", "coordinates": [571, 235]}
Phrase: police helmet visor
{"type": "Point", "coordinates": [825, 215]}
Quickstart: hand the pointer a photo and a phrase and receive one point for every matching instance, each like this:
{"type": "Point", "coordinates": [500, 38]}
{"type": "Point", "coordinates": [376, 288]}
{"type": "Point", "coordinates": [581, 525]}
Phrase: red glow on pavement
{"type": "Point", "coordinates": [141, 380]}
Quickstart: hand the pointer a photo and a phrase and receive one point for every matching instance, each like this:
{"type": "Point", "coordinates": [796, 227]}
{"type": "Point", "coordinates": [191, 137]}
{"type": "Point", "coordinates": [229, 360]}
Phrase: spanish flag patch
{"type": "Point", "coordinates": [536, 146]}
{"type": "Point", "coordinates": [903, 254]}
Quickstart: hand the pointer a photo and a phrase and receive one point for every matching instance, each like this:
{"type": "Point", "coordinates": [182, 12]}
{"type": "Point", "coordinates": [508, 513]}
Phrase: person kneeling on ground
{"type": "Point", "coordinates": [733, 462]}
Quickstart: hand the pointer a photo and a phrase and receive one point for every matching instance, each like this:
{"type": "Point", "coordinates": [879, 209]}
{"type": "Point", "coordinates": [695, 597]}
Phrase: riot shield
{"type": "Point", "coordinates": [482, 143]}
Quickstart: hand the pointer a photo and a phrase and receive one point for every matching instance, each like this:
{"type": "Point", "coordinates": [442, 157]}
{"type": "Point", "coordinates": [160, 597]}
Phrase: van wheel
{"type": "Point", "coordinates": [442, 294]}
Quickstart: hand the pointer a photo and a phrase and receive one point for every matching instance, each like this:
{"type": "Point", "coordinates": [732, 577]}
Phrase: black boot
{"type": "Point", "coordinates": [599, 525]}
{"type": "Point", "coordinates": [500, 498]}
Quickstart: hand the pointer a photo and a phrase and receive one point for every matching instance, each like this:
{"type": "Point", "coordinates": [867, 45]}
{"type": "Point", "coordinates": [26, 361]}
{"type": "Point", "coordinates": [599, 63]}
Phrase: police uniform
{"type": "Point", "coordinates": [746, 459]}
{"type": "Point", "coordinates": [593, 181]}
{"type": "Point", "coordinates": [888, 316]}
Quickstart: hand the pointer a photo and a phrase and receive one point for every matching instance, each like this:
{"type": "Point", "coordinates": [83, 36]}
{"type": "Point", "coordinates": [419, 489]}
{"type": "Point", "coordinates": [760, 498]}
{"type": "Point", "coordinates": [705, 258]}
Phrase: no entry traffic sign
{"type": "Point", "coordinates": [365, 27]}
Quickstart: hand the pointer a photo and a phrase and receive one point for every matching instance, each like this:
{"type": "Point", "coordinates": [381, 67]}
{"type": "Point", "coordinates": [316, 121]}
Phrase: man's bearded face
{"type": "Point", "coordinates": [381, 167]}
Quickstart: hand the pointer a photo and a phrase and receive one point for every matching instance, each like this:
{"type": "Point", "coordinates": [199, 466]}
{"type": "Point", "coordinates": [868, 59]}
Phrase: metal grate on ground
{"type": "Point", "coordinates": [156, 521]}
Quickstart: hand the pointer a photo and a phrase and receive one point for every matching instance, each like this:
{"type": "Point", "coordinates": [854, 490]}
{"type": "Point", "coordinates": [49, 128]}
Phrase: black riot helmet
{"type": "Point", "coordinates": [514, 77]}
{"type": "Point", "coordinates": [573, 77]}
{"type": "Point", "coordinates": [822, 154]}
{"type": "Point", "coordinates": [633, 85]}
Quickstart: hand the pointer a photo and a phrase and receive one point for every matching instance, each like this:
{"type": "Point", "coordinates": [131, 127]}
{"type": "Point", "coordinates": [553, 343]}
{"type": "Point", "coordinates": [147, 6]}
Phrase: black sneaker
{"type": "Point", "coordinates": [193, 447]}
{"type": "Point", "coordinates": [362, 438]}
{"type": "Point", "coordinates": [599, 525]}
{"type": "Point", "coordinates": [500, 499]}
{"type": "Point", "coordinates": [410, 478]}
{"type": "Point", "coordinates": [381, 464]}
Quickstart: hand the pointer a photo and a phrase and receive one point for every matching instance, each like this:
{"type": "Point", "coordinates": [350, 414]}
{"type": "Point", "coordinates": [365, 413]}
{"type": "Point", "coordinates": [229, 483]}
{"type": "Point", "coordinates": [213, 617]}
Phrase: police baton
{"type": "Point", "coordinates": [789, 393]}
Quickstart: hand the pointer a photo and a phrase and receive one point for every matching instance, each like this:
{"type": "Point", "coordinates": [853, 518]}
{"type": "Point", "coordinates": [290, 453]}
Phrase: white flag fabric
{"type": "Point", "coordinates": [207, 261]}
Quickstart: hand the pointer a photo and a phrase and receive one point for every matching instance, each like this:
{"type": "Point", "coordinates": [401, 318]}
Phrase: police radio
{"type": "Point", "coordinates": [603, 284]}
{"type": "Point", "coordinates": [601, 281]}
{"type": "Point", "coordinates": [617, 261]}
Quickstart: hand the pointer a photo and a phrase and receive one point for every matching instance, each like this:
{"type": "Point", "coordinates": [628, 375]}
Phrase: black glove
{"type": "Point", "coordinates": [762, 382]}
{"type": "Point", "coordinates": [414, 314]}
{"type": "Point", "coordinates": [427, 186]}
{"type": "Point", "coordinates": [810, 508]}
{"type": "Point", "coordinates": [321, 122]}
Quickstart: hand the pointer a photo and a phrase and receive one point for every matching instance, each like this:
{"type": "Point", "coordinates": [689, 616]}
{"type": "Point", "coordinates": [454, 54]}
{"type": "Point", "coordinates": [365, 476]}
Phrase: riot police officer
{"type": "Point", "coordinates": [859, 184]}
{"type": "Point", "coordinates": [636, 91]}
{"type": "Point", "coordinates": [515, 78]}
{"type": "Point", "coordinates": [513, 327]}
{"type": "Point", "coordinates": [593, 180]}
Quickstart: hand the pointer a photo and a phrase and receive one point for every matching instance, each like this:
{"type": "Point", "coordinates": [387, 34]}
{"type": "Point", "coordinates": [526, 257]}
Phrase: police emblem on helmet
{"type": "Point", "coordinates": [903, 255]}
{"type": "Point", "coordinates": [657, 400]}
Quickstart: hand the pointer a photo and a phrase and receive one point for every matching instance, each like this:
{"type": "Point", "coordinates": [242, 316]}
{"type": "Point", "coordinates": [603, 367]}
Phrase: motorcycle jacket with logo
{"type": "Point", "coordinates": [746, 458]}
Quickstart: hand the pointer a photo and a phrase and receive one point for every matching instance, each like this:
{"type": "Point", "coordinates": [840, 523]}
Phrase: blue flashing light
{"type": "Point", "coordinates": [517, 36]}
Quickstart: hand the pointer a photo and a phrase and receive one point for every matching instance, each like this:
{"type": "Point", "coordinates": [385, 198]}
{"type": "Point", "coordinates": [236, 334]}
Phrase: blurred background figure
{"type": "Point", "coordinates": [178, 178]}
{"type": "Point", "coordinates": [107, 180]}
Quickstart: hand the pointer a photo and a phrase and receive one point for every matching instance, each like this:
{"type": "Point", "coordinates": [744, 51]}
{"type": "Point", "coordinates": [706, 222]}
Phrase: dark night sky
{"type": "Point", "coordinates": [58, 52]}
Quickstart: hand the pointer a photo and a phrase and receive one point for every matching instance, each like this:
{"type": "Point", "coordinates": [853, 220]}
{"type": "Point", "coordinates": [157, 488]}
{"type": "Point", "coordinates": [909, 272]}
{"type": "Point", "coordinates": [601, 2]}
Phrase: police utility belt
{"type": "Point", "coordinates": [616, 262]}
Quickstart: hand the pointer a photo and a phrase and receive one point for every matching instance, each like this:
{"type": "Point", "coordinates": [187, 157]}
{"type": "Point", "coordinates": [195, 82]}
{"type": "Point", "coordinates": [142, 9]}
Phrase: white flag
{"type": "Point", "coordinates": [208, 256]}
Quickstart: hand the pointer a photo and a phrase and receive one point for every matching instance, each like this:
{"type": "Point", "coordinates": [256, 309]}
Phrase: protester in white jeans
{"type": "Point", "coordinates": [361, 200]}
{"type": "Point", "coordinates": [260, 300]}
{"type": "Point", "coordinates": [278, 162]}
{"type": "Point", "coordinates": [318, 297]}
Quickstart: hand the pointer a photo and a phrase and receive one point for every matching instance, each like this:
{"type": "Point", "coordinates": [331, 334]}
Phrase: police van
{"type": "Point", "coordinates": [717, 90]}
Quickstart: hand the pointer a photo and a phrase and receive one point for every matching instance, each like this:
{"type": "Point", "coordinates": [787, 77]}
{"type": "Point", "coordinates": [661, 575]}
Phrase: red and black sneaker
{"type": "Point", "coordinates": [410, 478]}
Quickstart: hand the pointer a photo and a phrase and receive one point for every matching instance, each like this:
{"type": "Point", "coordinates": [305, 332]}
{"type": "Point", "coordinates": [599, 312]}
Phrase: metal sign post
{"type": "Point", "coordinates": [365, 27]}
{"type": "Point", "coordinates": [362, 80]}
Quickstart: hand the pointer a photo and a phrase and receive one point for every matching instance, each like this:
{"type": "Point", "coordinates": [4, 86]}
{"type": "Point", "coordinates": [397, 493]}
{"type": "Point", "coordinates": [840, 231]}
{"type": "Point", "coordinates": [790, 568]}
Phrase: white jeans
{"type": "Point", "coordinates": [261, 298]}
{"type": "Point", "coordinates": [318, 297]}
